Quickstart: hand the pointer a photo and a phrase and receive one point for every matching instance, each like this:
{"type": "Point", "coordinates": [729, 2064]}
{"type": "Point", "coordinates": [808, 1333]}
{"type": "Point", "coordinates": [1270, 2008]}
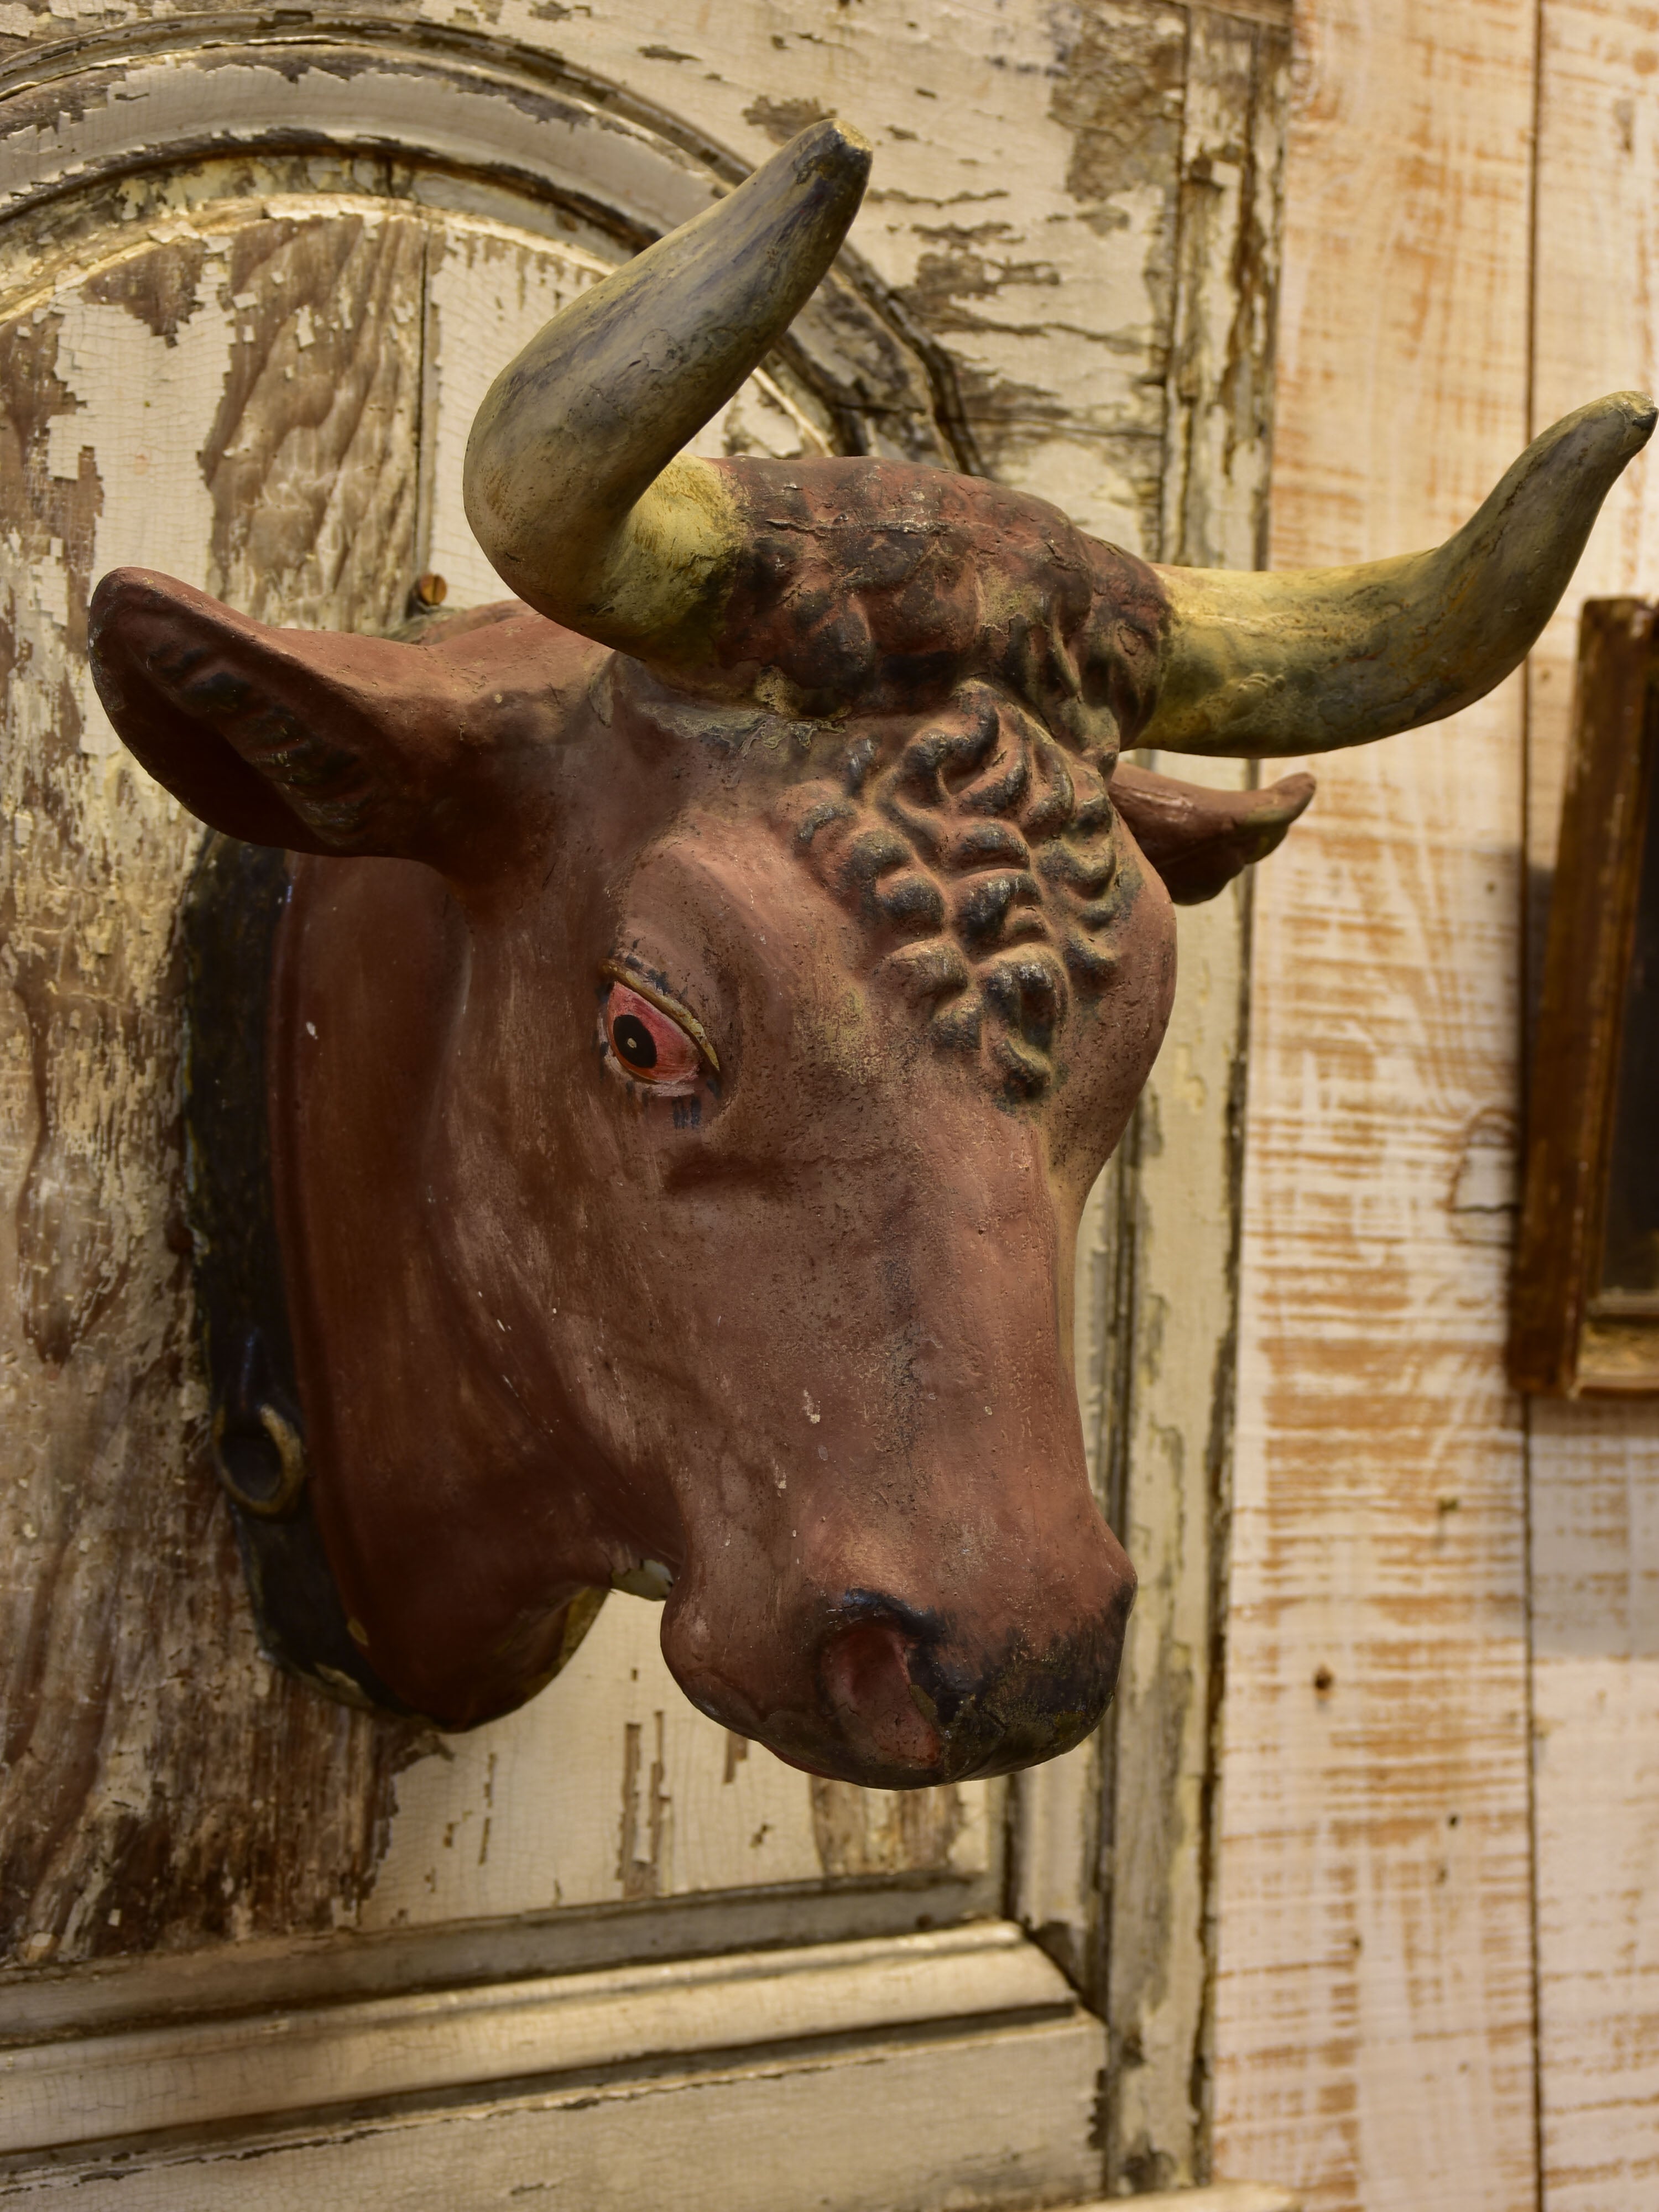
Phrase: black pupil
{"type": "Point", "coordinates": [634, 1041]}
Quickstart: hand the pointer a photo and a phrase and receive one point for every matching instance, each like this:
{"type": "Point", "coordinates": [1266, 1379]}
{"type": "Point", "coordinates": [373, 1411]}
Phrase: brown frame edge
{"type": "Point", "coordinates": [1557, 1349]}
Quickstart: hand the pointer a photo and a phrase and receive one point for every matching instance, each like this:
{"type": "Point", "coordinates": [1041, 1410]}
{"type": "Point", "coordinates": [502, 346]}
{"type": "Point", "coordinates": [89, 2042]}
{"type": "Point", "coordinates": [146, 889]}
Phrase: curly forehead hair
{"type": "Point", "coordinates": [979, 855]}
{"type": "Point", "coordinates": [990, 660]}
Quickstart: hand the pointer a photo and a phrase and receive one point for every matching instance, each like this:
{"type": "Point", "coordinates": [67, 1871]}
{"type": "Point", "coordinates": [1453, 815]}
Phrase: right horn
{"type": "Point", "coordinates": [1258, 664]}
{"type": "Point", "coordinates": [576, 485]}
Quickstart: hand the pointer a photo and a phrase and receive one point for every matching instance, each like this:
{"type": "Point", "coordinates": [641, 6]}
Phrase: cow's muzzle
{"type": "Point", "coordinates": [898, 1700]}
{"type": "Point", "coordinates": [908, 1707]}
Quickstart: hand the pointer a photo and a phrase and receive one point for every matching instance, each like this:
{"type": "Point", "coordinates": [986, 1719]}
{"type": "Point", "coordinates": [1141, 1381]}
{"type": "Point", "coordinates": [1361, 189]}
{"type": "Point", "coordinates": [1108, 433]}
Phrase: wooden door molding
{"type": "Point", "coordinates": [624, 2087]}
{"type": "Point", "coordinates": [127, 102]}
{"type": "Point", "coordinates": [91, 128]}
{"type": "Point", "coordinates": [199, 2072]}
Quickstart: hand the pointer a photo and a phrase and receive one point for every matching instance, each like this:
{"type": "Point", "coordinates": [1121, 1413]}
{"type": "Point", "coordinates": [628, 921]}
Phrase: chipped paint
{"type": "Point", "coordinates": [143, 1795]}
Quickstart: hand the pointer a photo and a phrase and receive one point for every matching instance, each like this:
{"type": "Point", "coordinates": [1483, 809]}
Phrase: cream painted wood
{"type": "Point", "coordinates": [272, 1974]}
{"type": "Point", "coordinates": [1595, 327]}
{"type": "Point", "coordinates": [1596, 1723]}
{"type": "Point", "coordinates": [1025, 204]}
{"type": "Point", "coordinates": [216, 2069]}
{"type": "Point", "coordinates": [1155, 1286]}
{"type": "Point", "coordinates": [1177, 1448]}
{"type": "Point", "coordinates": [609, 1786]}
{"type": "Point", "coordinates": [1374, 2033]}
{"type": "Point", "coordinates": [968, 2117]}
{"type": "Point", "coordinates": [1595, 1469]}
{"type": "Point", "coordinates": [1024, 211]}
{"type": "Point", "coordinates": [124, 413]}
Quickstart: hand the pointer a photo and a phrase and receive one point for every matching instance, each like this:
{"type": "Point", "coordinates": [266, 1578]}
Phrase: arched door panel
{"type": "Point", "coordinates": [269, 395]}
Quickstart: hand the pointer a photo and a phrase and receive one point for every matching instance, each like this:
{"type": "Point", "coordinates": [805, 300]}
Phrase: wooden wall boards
{"type": "Point", "coordinates": [1439, 1790]}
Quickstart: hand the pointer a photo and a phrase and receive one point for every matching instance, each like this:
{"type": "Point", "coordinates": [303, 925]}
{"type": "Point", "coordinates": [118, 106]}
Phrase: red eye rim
{"type": "Point", "coordinates": [678, 1047]}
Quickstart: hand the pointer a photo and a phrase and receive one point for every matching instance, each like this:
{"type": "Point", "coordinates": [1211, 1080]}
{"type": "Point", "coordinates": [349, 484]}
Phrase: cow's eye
{"type": "Point", "coordinates": [648, 1043]}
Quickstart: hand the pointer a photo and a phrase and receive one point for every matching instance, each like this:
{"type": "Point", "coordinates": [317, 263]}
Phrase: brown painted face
{"type": "Point", "coordinates": [823, 1098]}
{"type": "Point", "coordinates": [684, 1164]}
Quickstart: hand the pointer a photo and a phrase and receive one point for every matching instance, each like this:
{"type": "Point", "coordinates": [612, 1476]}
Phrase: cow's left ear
{"type": "Point", "coordinates": [1198, 839]}
{"type": "Point", "coordinates": [317, 740]}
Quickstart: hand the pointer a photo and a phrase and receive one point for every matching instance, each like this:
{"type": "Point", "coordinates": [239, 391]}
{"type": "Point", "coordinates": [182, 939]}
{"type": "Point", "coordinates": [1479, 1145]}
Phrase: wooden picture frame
{"type": "Point", "coordinates": [1585, 1320]}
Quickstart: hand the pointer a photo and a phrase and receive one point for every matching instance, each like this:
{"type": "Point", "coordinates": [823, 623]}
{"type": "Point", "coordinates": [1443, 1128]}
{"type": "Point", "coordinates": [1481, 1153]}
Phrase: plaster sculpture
{"type": "Point", "coordinates": [704, 989]}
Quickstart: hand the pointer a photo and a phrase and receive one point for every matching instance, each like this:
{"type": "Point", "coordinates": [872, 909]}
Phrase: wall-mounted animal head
{"type": "Point", "coordinates": [722, 971]}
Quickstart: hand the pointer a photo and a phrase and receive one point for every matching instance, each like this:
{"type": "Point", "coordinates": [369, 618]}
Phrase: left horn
{"type": "Point", "coordinates": [1259, 665]}
{"type": "Point", "coordinates": [574, 484]}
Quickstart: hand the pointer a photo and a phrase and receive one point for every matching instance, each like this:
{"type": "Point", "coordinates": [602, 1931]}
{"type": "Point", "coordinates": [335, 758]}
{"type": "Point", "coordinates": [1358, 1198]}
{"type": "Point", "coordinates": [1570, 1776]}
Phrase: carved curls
{"type": "Point", "coordinates": [981, 858]}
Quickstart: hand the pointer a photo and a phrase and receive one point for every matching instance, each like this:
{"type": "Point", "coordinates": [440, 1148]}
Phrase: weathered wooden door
{"type": "Point", "coordinates": [252, 285]}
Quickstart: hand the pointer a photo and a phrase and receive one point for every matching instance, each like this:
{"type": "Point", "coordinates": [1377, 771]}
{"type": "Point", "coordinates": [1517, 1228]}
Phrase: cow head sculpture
{"type": "Point", "coordinates": [713, 980]}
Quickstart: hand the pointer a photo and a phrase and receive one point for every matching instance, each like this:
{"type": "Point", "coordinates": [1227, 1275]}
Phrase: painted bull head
{"type": "Point", "coordinates": [680, 1128]}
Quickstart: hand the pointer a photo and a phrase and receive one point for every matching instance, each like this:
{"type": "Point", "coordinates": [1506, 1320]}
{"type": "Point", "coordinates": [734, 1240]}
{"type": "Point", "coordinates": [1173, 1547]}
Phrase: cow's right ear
{"type": "Point", "coordinates": [1198, 838]}
{"type": "Point", "coordinates": [317, 740]}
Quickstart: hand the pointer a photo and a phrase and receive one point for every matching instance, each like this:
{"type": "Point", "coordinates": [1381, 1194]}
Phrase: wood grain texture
{"type": "Point", "coordinates": [1596, 1707]}
{"type": "Point", "coordinates": [610, 1788]}
{"type": "Point", "coordinates": [1595, 1470]}
{"type": "Point", "coordinates": [1595, 327]}
{"type": "Point", "coordinates": [1156, 1294]}
{"type": "Point", "coordinates": [312, 458]}
{"type": "Point", "coordinates": [1374, 2030]}
{"type": "Point", "coordinates": [146, 1797]}
{"type": "Point", "coordinates": [1111, 1842]}
{"type": "Point", "coordinates": [1022, 210]}
{"type": "Point", "coordinates": [1221, 359]}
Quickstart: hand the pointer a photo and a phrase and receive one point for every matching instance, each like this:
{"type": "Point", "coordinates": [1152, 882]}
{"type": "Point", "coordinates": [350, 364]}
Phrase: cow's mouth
{"type": "Point", "coordinates": [899, 1707]}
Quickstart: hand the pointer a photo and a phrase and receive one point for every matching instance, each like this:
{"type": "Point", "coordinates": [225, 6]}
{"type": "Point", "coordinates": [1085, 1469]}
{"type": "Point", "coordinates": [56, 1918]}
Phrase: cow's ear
{"type": "Point", "coordinates": [1198, 839]}
{"type": "Point", "coordinates": [314, 740]}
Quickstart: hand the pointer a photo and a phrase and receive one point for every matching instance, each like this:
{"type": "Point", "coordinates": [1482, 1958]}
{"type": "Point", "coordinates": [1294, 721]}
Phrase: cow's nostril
{"type": "Point", "coordinates": [884, 1716]}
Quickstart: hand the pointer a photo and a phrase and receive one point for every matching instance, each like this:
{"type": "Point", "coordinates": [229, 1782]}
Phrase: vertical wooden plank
{"type": "Point", "coordinates": [1595, 1719]}
{"type": "Point", "coordinates": [1227, 269]}
{"type": "Point", "coordinates": [1595, 1469]}
{"type": "Point", "coordinates": [1595, 326]}
{"type": "Point", "coordinates": [1374, 2030]}
{"type": "Point", "coordinates": [1176, 1410]}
